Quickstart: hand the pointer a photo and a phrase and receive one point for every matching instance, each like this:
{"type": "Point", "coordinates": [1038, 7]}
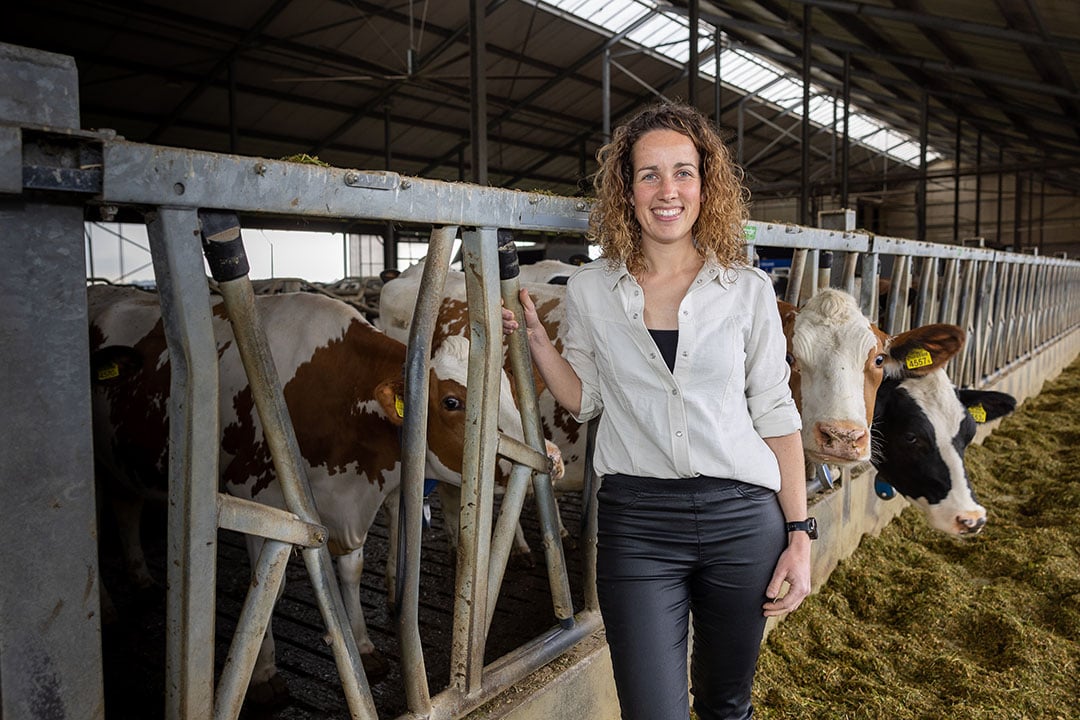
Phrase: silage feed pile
{"type": "Point", "coordinates": [924, 626]}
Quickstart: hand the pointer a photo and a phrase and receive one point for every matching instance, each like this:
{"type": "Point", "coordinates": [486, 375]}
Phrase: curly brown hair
{"type": "Point", "coordinates": [718, 231]}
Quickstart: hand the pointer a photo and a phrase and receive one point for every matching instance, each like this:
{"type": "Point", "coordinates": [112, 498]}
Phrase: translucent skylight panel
{"type": "Point", "coordinates": [665, 35]}
{"type": "Point", "coordinates": [652, 32]}
{"type": "Point", "coordinates": [618, 16]}
{"type": "Point", "coordinates": [822, 110]}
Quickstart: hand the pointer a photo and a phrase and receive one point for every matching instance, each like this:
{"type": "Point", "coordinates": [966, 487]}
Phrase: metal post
{"type": "Point", "coordinates": [228, 262]}
{"type": "Point", "coordinates": [389, 240]}
{"type": "Point", "coordinates": [717, 86]}
{"type": "Point", "coordinates": [694, 61]}
{"type": "Point", "coordinates": [50, 629]}
{"type": "Point", "coordinates": [194, 439]}
{"type": "Point", "coordinates": [548, 511]}
{"type": "Point", "coordinates": [478, 471]}
{"type": "Point", "coordinates": [804, 150]}
{"type": "Point", "coordinates": [956, 185]}
{"type": "Point", "coordinates": [478, 93]}
{"type": "Point", "coordinates": [920, 192]}
{"type": "Point", "coordinates": [413, 460]}
{"type": "Point", "coordinates": [978, 183]}
{"type": "Point", "coordinates": [605, 94]}
{"type": "Point", "coordinates": [845, 149]}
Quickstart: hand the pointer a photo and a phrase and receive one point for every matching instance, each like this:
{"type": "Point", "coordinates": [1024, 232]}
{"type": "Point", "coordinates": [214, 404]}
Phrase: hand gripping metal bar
{"type": "Point", "coordinates": [521, 363]}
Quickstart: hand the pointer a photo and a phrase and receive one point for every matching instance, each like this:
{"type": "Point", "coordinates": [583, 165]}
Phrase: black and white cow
{"type": "Point", "coordinates": [922, 426]}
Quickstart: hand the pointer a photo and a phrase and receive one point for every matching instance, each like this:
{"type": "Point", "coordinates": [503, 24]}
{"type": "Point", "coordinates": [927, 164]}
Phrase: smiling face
{"type": "Point", "coordinates": [666, 186]}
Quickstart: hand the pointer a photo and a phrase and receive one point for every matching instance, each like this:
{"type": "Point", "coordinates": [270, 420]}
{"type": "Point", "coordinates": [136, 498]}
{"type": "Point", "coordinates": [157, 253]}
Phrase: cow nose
{"type": "Point", "coordinates": [841, 440]}
{"type": "Point", "coordinates": [971, 525]}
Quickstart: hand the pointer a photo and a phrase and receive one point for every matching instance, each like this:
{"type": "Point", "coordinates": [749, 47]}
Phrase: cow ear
{"type": "Point", "coordinates": [114, 364]}
{"type": "Point", "coordinates": [986, 405]}
{"type": "Point", "coordinates": [391, 397]}
{"type": "Point", "coordinates": [922, 350]}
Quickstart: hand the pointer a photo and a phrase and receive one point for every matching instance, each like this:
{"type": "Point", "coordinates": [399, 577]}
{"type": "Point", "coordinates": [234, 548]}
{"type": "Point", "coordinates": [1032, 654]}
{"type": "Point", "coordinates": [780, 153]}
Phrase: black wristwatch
{"type": "Point", "coordinates": [809, 526]}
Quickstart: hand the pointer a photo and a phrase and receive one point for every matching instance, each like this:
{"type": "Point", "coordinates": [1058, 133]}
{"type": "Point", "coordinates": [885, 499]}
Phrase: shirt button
{"type": "Point", "coordinates": [678, 433]}
{"type": "Point", "coordinates": [652, 355]}
{"type": "Point", "coordinates": [685, 313]}
{"type": "Point", "coordinates": [674, 392]}
{"type": "Point", "coordinates": [684, 353]}
{"type": "Point", "coordinates": [635, 316]}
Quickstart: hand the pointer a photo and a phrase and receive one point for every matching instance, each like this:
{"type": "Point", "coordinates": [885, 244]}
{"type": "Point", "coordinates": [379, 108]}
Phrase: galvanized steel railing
{"type": "Point", "coordinates": [1009, 304]}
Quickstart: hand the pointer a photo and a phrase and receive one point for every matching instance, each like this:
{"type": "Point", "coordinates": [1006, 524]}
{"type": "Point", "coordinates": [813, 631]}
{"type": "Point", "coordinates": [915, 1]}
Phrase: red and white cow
{"type": "Point", "coordinates": [837, 362]}
{"type": "Point", "coordinates": [340, 377]}
{"type": "Point", "coordinates": [563, 434]}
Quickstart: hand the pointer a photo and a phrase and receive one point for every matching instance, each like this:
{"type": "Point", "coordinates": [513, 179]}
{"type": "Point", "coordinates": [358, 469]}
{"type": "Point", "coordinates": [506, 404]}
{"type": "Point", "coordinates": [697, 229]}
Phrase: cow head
{"type": "Point", "coordinates": [923, 425]}
{"type": "Point", "coordinates": [446, 412]}
{"type": "Point", "coordinates": [837, 362]}
{"type": "Point", "coordinates": [450, 342]}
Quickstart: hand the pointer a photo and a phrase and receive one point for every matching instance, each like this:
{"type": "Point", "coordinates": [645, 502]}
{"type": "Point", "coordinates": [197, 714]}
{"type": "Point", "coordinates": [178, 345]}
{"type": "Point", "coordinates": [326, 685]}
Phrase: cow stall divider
{"type": "Point", "coordinates": [1014, 308]}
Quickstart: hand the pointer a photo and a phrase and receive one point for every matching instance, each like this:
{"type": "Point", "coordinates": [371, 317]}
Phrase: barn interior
{"type": "Point", "coordinates": [952, 122]}
{"type": "Point", "coordinates": [955, 122]}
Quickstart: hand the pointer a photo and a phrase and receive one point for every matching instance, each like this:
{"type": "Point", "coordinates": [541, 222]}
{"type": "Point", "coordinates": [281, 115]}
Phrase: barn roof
{"type": "Point", "coordinates": [387, 84]}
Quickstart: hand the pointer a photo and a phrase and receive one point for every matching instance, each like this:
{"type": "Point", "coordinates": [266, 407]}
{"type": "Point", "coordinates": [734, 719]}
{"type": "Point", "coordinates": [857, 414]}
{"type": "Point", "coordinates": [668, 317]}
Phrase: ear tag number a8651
{"type": "Point", "coordinates": [978, 412]}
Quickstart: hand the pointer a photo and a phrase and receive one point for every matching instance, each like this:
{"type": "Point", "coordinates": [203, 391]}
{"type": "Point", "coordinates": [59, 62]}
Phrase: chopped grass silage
{"type": "Point", "coordinates": [920, 625]}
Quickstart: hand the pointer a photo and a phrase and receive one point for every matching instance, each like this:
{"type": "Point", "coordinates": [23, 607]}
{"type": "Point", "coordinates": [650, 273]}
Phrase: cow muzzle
{"type": "Point", "coordinates": [841, 442]}
{"type": "Point", "coordinates": [970, 523]}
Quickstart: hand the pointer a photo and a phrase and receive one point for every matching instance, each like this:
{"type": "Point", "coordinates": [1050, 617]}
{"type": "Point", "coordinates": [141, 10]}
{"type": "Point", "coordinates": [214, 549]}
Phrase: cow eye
{"type": "Point", "coordinates": [910, 438]}
{"type": "Point", "coordinates": [452, 403]}
{"type": "Point", "coordinates": [879, 360]}
{"type": "Point", "coordinates": [790, 359]}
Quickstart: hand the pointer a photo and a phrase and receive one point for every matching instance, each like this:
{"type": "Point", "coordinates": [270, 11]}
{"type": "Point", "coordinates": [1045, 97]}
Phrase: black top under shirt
{"type": "Point", "coordinates": [667, 341]}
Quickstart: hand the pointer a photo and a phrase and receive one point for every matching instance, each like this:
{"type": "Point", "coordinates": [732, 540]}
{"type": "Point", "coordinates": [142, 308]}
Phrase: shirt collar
{"type": "Point", "coordinates": [615, 274]}
{"type": "Point", "coordinates": [711, 270]}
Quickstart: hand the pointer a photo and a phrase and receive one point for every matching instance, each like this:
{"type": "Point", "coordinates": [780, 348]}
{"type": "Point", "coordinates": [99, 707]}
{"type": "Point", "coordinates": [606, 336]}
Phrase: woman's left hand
{"type": "Point", "coordinates": [793, 567]}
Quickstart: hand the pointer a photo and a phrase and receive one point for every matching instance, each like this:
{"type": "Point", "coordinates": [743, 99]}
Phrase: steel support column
{"type": "Point", "coordinates": [478, 93]}
{"type": "Point", "coordinates": [50, 630]}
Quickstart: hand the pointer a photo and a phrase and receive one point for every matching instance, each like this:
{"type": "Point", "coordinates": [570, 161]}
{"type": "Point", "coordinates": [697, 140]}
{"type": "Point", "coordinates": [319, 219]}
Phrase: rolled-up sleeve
{"type": "Point", "coordinates": [578, 351]}
{"type": "Point", "coordinates": [768, 396]}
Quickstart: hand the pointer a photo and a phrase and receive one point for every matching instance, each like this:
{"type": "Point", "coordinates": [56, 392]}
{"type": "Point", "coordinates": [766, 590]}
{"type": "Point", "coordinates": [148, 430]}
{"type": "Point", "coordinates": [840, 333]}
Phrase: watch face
{"type": "Point", "coordinates": [811, 528]}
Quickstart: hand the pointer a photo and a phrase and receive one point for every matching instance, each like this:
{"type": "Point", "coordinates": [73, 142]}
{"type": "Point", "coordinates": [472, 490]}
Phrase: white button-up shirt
{"type": "Point", "coordinates": [728, 391]}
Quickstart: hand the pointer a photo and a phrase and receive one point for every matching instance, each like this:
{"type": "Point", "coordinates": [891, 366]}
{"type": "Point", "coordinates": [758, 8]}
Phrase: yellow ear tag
{"type": "Point", "coordinates": [399, 405]}
{"type": "Point", "coordinates": [978, 412]}
{"type": "Point", "coordinates": [110, 371]}
{"type": "Point", "coordinates": [918, 358]}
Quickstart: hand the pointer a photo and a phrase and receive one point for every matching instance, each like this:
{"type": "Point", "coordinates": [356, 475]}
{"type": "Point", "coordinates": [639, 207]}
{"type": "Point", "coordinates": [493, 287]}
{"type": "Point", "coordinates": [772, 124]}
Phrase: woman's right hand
{"type": "Point", "coordinates": [532, 320]}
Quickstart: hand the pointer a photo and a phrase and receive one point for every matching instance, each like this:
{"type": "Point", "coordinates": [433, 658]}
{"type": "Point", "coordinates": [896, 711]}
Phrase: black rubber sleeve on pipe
{"type": "Point", "coordinates": [222, 245]}
{"type": "Point", "coordinates": [508, 257]}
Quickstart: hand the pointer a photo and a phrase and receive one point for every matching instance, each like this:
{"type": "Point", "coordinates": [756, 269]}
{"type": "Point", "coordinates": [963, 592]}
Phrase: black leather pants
{"type": "Point", "coordinates": [671, 547]}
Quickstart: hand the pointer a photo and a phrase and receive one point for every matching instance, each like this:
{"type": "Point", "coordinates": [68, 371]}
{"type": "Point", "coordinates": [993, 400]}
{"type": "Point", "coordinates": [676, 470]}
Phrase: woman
{"type": "Point", "coordinates": [702, 505]}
